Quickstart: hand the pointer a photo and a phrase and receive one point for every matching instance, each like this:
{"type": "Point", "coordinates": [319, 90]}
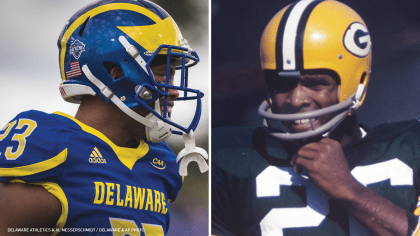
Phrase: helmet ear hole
{"type": "Point", "coordinates": [114, 70]}
{"type": "Point", "coordinates": [362, 79]}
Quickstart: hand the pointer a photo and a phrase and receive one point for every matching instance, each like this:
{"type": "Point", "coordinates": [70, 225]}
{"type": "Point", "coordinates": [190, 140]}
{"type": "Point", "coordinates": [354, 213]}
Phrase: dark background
{"type": "Point", "coordinates": [237, 82]}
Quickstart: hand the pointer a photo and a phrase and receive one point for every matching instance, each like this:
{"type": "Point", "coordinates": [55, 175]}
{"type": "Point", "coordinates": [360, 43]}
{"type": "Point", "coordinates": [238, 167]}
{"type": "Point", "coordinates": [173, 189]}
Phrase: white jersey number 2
{"type": "Point", "coordinates": [270, 180]}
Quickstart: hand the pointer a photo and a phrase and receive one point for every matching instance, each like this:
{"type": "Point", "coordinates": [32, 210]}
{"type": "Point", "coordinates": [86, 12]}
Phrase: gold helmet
{"type": "Point", "coordinates": [310, 35]}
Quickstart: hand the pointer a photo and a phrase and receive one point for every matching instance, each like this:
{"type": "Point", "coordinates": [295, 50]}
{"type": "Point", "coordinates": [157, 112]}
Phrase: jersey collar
{"type": "Point", "coordinates": [128, 156]}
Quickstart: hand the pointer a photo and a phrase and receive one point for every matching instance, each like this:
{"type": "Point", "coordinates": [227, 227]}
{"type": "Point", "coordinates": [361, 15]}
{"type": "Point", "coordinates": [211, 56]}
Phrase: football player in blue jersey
{"type": "Point", "coordinates": [312, 169]}
{"type": "Point", "coordinates": [108, 170]}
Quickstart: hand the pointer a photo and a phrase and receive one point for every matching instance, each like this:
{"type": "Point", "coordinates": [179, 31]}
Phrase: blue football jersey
{"type": "Point", "coordinates": [104, 189]}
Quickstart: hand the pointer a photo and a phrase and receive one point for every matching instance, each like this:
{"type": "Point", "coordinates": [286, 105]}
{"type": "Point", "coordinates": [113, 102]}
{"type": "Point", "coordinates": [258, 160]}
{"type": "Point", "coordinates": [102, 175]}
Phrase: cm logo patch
{"type": "Point", "coordinates": [159, 164]}
{"type": "Point", "coordinates": [357, 40]}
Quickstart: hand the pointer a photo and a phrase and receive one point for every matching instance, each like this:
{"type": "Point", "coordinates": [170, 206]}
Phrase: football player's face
{"type": "Point", "coordinates": [159, 72]}
{"type": "Point", "coordinates": [308, 92]}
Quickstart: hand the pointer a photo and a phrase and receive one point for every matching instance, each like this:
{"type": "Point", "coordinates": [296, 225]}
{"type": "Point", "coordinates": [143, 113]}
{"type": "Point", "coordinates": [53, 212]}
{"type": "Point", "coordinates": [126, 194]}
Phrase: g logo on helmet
{"type": "Point", "coordinates": [357, 40]}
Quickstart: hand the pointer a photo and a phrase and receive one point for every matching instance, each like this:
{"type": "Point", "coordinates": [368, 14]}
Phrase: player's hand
{"type": "Point", "coordinates": [327, 166]}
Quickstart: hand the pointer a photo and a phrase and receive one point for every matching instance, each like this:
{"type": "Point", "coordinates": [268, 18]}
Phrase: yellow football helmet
{"type": "Point", "coordinates": [312, 34]}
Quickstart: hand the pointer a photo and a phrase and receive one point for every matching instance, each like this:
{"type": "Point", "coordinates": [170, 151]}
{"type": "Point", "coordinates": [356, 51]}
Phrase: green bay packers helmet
{"type": "Point", "coordinates": [312, 35]}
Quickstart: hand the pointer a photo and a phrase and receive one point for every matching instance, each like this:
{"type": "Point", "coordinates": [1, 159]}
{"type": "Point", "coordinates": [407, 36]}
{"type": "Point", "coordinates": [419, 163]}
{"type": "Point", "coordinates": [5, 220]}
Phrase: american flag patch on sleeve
{"type": "Point", "coordinates": [72, 69]}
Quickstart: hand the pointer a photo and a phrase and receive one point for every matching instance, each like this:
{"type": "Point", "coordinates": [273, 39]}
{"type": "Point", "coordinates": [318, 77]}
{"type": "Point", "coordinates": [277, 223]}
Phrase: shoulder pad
{"type": "Point", "coordinates": [240, 150]}
{"type": "Point", "coordinates": [388, 130]}
{"type": "Point", "coordinates": [34, 142]}
{"type": "Point", "coordinates": [161, 155]}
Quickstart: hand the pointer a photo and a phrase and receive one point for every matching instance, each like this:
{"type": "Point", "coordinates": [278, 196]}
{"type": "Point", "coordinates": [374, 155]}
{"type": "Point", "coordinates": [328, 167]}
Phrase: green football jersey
{"type": "Point", "coordinates": [255, 190]}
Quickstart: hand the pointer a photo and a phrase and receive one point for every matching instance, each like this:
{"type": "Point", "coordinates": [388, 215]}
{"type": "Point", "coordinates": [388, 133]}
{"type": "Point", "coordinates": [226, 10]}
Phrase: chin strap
{"type": "Point", "coordinates": [353, 108]}
{"type": "Point", "coordinates": [107, 92]}
{"type": "Point", "coordinates": [157, 131]}
{"type": "Point", "coordinates": [358, 98]}
{"type": "Point", "coordinates": [191, 153]}
{"type": "Point", "coordinates": [160, 131]}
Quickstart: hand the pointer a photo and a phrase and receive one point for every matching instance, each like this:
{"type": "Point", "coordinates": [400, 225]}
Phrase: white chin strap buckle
{"type": "Point", "coordinates": [358, 98]}
{"type": "Point", "coordinates": [159, 132]}
{"type": "Point", "coordinates": [191, 153]}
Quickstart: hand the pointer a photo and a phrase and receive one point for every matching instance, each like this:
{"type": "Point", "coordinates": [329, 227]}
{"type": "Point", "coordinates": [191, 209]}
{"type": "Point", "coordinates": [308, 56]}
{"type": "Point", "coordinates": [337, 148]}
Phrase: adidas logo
{"type": "Point", "coordinates": [96, 157]}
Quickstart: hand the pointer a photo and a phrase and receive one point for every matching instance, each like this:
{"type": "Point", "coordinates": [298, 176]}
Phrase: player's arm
{"type": "Point", "coordinates": [327, 167]}
{"type": "Point", "coordinates": [378, 214]}
{"type": "Point", "coordinates": [27, 206]}
{"type": "Point", "coordinates": [33, 149]}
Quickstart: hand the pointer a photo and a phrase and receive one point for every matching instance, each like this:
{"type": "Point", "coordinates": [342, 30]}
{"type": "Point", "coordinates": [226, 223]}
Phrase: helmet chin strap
{"type": "Point", "coordinates": [157, 131]}
{"type": "Point", "coordinates": [160, 131]}
{"type": "Point", "coordinates": [107, 92]}
{"type": "Point", "coordinates": [353, 108]}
